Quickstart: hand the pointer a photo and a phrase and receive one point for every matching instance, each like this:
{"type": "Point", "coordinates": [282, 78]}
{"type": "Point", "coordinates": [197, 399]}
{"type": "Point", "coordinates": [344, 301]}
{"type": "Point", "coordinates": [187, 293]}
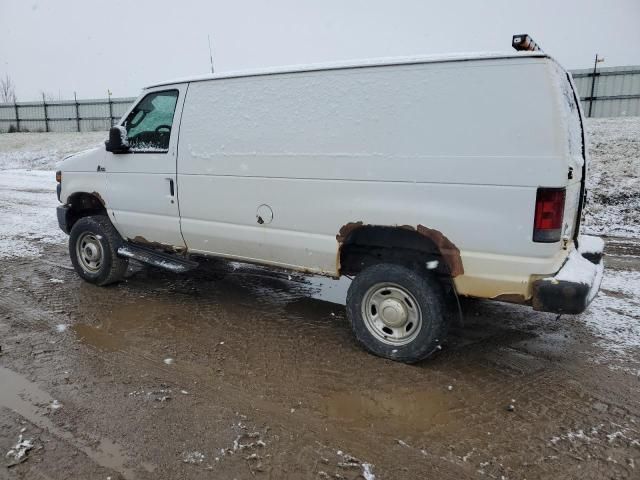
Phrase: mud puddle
{"type": "Point", "coordinates": [418, 410]}
{"type": "Point", "coordinates": [117, 327]}
{"type": "Point", "coordinates": [98, 338]}
{"type": "Point", "coordinates": [328, 289]}
{"type": "Point", "coordinates": [317, 287]}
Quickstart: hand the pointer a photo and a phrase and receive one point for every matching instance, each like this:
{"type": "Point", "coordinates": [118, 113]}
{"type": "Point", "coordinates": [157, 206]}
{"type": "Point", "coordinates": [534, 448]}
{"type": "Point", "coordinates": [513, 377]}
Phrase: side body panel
{"type": "Point", "coordinates": [458, 147]}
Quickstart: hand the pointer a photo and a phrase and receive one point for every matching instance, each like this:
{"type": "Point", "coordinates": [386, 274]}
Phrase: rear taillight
{"type": "Point", "coordinates": [547, 223]}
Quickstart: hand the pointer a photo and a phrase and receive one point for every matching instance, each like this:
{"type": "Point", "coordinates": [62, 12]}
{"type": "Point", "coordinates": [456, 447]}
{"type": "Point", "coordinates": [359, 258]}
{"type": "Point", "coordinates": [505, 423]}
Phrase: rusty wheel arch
{"type": "Point", "coordinates": [413, 238]}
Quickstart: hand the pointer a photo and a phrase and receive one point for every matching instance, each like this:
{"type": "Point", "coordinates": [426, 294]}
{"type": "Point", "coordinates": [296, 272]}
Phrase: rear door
{"type": "Point", "coordinates": [576, 152]}
{"type": "Point", "coordinates": [141, 184]}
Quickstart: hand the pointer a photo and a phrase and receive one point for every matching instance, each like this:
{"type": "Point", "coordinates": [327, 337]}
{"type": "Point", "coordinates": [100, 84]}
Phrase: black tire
{"type": "Point", "coordinates": [92, 231]}
{"type": "Point", "coordinates": [425, 291]}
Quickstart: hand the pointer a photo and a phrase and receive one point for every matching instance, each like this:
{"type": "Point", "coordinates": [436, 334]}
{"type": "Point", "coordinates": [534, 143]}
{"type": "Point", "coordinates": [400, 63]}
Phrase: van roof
{"type": "Point", "coordinates": [373, 62]}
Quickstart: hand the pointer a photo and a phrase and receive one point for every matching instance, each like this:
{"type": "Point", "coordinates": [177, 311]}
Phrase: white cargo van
{"type": "Point", "coordinates": [419, 177]}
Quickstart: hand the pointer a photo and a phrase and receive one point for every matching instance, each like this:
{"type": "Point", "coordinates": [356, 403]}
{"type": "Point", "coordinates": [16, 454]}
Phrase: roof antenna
{"type": "Point", "coordinates": [210, 52]}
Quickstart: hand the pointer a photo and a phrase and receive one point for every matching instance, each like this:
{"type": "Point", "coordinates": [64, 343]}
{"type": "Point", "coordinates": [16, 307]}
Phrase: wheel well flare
{"type": "Point", "coordinates": [361, 245]}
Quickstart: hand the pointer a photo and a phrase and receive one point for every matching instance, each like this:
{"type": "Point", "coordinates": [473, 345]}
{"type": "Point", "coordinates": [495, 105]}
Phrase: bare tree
{"type": "Point", "coordinates": [7, 90]}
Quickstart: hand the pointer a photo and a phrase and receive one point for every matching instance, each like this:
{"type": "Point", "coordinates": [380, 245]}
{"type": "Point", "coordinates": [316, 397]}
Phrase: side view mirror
{"type": "Point", "coordinates": [118, 141]}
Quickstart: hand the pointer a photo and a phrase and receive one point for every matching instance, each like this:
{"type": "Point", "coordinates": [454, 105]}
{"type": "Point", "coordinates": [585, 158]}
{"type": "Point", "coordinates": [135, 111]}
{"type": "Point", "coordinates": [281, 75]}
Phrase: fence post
{"type": "Point", "coordinates": [15, 107]}
{"type": "Point", "coordinates": [110, 110]}
{"type": "Point", "coordinates": [593, 87]}
{"type": "Point", "coordinates": [75, 99]}
{"type": "Point", "coordinates": [593, 82]}
{"type": "Point", "coordinates": [46, 116]}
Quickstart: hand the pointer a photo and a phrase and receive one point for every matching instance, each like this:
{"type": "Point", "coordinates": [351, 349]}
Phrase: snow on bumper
{"type": "Point", "coordinates": [576, 284]}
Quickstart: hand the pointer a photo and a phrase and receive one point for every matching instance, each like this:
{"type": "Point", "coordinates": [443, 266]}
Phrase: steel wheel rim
{"type": "Point", "coordinates": [89, 252]}
{"type": "Point", "coordinates": [391, 314]}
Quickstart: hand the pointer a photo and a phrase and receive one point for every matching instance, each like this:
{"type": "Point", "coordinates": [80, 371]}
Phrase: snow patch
{"type": "Point", "coordinates": [590, 244]}
{"type": "Point", "coordinates": [27, 205]}
{"type": "Point", "coordinates": [27, 188]}
{"type": "Point", "coordinates": [124, 140]}
{"type": "Point", "coordinates": [43, 151]}
{"type": "Point", "coordinates": [577, 269]}
{"type": "Point", "coordinates": [613, 178]}
{"type": "Point", "coordinates": [622, 435]}
{"type": "Point", "coordinates": [367, 472]}
{"type": "Point", "coordinates": [613, 315]}
{"type": "Point", "coordinates": [193, 457]}
{"type": "Point", "coordinates": [18, 452]}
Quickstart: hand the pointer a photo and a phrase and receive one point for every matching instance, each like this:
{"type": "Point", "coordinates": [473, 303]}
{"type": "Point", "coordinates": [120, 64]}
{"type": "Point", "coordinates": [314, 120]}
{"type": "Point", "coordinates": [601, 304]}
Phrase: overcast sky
{"type": "Point", "coordinates": [88, 46]}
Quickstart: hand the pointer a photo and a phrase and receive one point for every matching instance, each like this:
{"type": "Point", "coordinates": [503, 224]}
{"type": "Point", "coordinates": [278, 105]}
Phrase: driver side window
{"type": "Point", "coordinates": [149, 123]}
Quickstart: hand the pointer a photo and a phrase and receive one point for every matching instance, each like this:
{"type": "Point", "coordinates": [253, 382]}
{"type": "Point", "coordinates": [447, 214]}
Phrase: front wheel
{"type": "Point", "coordinates": [396, 312]}
{"type": "Point", "coordinates": [93, 245]}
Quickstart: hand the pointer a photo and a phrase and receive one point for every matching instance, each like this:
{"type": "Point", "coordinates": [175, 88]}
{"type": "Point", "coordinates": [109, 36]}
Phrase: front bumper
{"type": "Point", "coordinates": [62, 212]}
{"type": "Point", "coordinates": [576, 284]}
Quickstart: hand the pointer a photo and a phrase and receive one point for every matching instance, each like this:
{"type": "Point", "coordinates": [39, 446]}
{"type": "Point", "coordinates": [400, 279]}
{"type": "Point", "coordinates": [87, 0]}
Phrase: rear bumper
{"type": "Point", "coordinates": [62, 213]}
{"type": "Point", "coordinates": [576, 284]}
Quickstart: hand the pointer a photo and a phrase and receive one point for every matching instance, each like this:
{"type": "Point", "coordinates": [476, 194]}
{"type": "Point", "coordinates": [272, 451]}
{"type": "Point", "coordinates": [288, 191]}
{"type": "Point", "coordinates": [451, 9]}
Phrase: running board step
{"type": "Point", "coordinates": [156, 259]}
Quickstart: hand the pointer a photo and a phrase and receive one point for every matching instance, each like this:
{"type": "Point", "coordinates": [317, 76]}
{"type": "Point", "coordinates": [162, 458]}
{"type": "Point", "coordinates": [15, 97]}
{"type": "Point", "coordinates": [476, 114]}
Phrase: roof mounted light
{"type": "Point", "coordinates": [524, 42]}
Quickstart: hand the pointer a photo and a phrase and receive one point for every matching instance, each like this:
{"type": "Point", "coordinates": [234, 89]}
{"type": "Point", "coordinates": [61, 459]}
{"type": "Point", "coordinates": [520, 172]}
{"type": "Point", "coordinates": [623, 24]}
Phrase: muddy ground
{"type": "Point", "coordinates": [235, 372]}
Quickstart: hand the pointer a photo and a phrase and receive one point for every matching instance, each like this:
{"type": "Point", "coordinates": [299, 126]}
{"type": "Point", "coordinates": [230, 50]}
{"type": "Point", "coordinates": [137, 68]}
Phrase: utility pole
{"type": "Point", "coordinates": [593, 82]}
{"type": "Point", "coordinates": [210, 52]}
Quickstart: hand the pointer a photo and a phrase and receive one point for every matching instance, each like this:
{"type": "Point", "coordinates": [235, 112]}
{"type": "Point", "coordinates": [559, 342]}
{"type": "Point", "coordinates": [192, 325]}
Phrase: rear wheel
{"type": "Point", "coordinates": [397, 312]}
{"type": "Point", "coordinates": [93, 246]}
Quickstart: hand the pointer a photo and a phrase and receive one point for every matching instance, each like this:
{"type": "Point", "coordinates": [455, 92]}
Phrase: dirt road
{"type": "Point", "coordinates": [234, 372]}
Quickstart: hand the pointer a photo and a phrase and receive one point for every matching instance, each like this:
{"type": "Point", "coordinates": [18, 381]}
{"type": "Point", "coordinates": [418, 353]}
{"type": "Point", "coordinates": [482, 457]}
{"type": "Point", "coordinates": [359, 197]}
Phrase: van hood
{"type": "Point", "coordinates": [84, 161]}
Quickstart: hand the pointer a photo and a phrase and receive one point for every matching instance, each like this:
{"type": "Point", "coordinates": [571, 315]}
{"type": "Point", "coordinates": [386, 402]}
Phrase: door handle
{"type": "Point", "coordinates": [171, 187]}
